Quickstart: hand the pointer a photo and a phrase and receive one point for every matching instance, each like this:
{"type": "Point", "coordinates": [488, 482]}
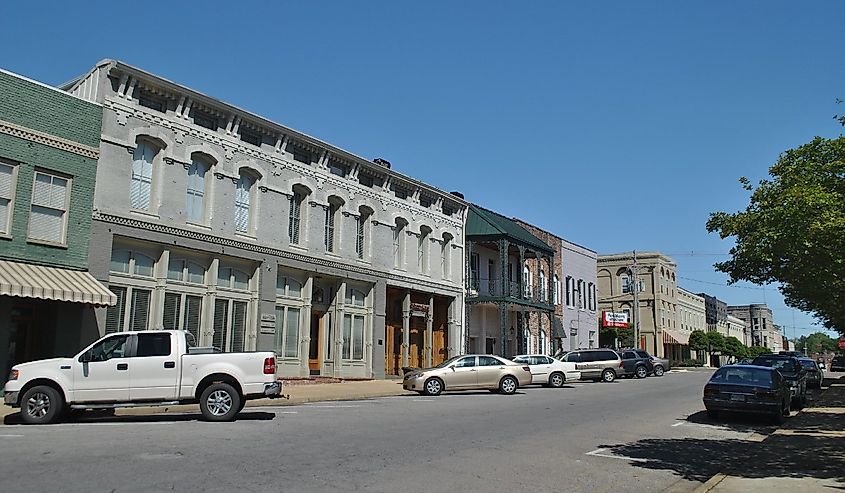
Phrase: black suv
{"type": "Point", "coordinates": [792, 371]}
{"type": "Point", "coordinates": [636, 362]}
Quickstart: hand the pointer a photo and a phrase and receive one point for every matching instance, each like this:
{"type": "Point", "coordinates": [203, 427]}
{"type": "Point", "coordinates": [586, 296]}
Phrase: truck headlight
{"type": "Point", "coordinates": [14, 374]}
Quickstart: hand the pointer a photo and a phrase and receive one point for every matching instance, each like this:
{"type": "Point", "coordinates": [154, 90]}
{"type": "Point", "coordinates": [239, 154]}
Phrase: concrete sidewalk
{"type": "Point", "coordinates": [806, 454]}
{"type": "Point", "coordinates": [299, 392]}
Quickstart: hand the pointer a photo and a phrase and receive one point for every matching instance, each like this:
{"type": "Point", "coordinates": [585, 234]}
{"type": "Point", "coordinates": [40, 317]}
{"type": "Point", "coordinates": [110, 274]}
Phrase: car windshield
{"type": "Point", "coordinates": [808, 364]}
{"type": "Point", "coordinates": [783, 364]}
{"type": "Point", "coordinates": [742, 375]}
{"type": "Point", "coordinates": [448, 362]}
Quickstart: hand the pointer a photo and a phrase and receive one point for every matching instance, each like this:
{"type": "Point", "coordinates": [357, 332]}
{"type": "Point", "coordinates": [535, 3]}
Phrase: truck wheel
{"type": "Point", "coordinates": [220, 402]}
{"type": "Point", "coordinates": [41, 405]}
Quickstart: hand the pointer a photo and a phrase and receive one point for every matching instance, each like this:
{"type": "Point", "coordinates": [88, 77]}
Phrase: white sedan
{"type": "Point", "coordinates": [549, 371]}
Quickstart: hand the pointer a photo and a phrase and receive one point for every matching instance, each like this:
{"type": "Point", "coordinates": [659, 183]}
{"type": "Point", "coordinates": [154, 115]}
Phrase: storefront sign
{"type": "Point", "coordinates": [614, 319]}
{"type": "Point", "coordinates": [419, 310]}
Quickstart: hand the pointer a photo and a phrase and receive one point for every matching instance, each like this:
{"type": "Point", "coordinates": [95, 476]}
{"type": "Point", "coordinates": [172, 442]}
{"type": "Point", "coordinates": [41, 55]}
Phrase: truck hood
{"type": "Point", "coordinates": [42, 363]}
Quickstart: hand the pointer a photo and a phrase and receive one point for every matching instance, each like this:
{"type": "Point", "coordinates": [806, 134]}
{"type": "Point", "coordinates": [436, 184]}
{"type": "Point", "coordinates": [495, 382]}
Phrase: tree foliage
{"type": "Point", "coordinates": [698, 340]}
{"type": "Point", "coordinates": [715, 342]}
{"type": "Point", "coordinates": [816, 343]}
{"type": "Point", "coordinates": [755, 351]}
{"type": "Point", "coordinates": [793, 230]}
{"type": "Point", "coordinates": [735, 348]}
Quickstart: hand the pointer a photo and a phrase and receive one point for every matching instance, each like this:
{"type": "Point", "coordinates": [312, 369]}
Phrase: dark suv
{"type": "Point", "coordinates": [792, 371]}
{"type": "Point", "coordinates": [636, 363]}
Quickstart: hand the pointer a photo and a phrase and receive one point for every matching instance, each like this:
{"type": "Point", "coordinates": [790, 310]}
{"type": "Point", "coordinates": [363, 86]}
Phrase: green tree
{"type": "Point", "coordinates": [698, 340]}
{"type": "Point", "coordinates": [735, 348]}
{"type": "Point", "coordinates": [793, 230]}
{"type": "Point", "coordinates": [816, 342]}
{"type": "Point", "coordinates": [755, 351]}
{"type": "Point", "coordinates": [715, 342]}
{"type": "Point", "coordinates": [616, 336]}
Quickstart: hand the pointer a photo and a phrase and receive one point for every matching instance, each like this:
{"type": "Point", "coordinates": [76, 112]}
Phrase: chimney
{"type": "Point", "coordinates": [458, 194]}
{"type": "Point", "coordinates": [383, 162]}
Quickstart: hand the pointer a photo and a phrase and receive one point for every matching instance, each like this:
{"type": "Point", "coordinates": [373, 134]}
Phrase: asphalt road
{"type": "Point", "coordinates": [585, 437]}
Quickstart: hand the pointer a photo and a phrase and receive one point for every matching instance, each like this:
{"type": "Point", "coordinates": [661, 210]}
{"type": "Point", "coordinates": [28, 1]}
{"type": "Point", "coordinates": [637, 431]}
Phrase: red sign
{"type": "Point", "coordinates": [842, 344]}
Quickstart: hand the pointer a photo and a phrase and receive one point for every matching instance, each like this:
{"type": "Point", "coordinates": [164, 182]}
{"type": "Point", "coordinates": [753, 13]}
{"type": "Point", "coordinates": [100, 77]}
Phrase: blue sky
{"type": "Point", "coordinates": [617, 125]}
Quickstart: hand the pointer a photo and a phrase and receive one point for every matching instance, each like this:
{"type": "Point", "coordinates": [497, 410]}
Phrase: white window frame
{"type": "Point", "coordinates": [399, 245]}
{"type": "Point", "coordinates": [295, 218]}
{"type": "Point", "coordinates": [330, 227]}
{"type": "Point", "coordinates": [283, 315]}
{"type": "Point", "coordinates": [51, 206]}
{"type": "Point", "coordinates": [245, 202]}
{"type": "Point", "coordinates": [139, 179]}
{"type": "Point", "coordinates": [570, 292]}
{"type": "Point", "coordinates": [361, 236]}
{"type": "Point", "coordinates": [201, 193]}
{"type": "Point", "coordinates": [10, 197]}
{"type": "Point", "coordinates": [129, 312]}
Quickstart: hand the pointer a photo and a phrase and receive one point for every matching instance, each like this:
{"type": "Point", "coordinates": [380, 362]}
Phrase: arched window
{"type": "Point", "coordinates": [295, 213]}
{"type": "Point", "coordinates": [556, 286]}
{"type": "Point", "coordinates": [570, 291]}
{"type": "Point", "coordinates": [581, 294]}
{"type": "Point", "coordinates": [399, 243]}
{"type": "Point", "coordinates": [422, 250]}
{"type": "Point", "coordinates": [196, 188]}
{"type": "Point", "coordinates": [526, 275]}
{"type": "Point", "coordinates": [446, 256]}
{"type": "Point", "coordinates": [355, 297]}
{"type": "Point", "coordinates": [542, 349]}
{"type": "Point", "coordinates": [362, 231]}
{"type": "Point", "coordinates": [526, 340]}
{"type": "Point", "coordinates": [541, 279]}
{"type": "Point", "coordinates": [332, 211]}
{"type": "Point", "coordinates": [244, 201]}
{"type": "Point", "coordinates": [185, 271]}
{"type": "Point", "coordinates": [141, 185]}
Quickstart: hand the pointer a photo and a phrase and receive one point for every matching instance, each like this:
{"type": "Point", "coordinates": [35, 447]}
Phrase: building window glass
{"type": "Point", "coordinates": [185, 271]}
{"type": "Point", "coordinates": [229, 324]}
{"type": "Point", "coordinates": [50, 201]}
{"type": "Point", "coordinates": [228, 277]}
{"type": "Point", "coordinates": [581, 294]}
{"type": "Point", "coordinates": [556, 287]}
{"type": "Point", "coordinates": [183, 312]}
{"type": "Point", "coordinates": [399, 244]}
{"type": "Point", "coordinates": [131, 262]}
{"type": "Point", "coordinates": [140, 189]}
{"type": "Point", "coordinates": [353, 337]}
{"type": "Point", "coordinates": [354, 297]}
{"type": "Point", "coordinates": [131, 311]}
{"type": "Point", "coordinates": [446, 257]}
{"type": "Point", "coordinates": [474, 261]}
{"type": "Point", "coordinates": [360, 234]}
{"type": "Point", "coordinates": [287, 331]}
{"type": "Point", "coordinates": [331, 213]}
{"type": "Point", "coordinates": [294, 217]}
{"type": "Point", "coordinates": [543, 289]}
{"type": "Point", "coordinates": [287, 286]}
{"type": "Point", "coordinates": [195, 203]}
{"type": "Point", "coordinates": [337, 168]}
{"type": "Point", "coordinates": [8, 175]}
{"type": "Point", "coordinates": [422, 250]}
{"type": "Point", "coordinates": [529, 281]}
{"type": "Point", "coordinates": [570, 296]}
{"type": "Point", "coordinates": [251, 137]}
{"type": "Point", "coordinates": [243, 196]}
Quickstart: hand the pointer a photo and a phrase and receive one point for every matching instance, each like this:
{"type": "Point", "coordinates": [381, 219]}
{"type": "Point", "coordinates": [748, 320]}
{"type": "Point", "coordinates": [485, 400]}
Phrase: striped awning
{"type": "Point", "coordinates": [675, 337]}
{"type": "Point", "coordinates": [52, 283]}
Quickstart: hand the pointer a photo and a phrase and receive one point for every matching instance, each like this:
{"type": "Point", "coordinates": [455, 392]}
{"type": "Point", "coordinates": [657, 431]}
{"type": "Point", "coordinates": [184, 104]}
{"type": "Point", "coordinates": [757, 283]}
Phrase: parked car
{"type": "Point", "coordinates": [793, 373]}
{"type": "Point", "coordinates": [546, 370]}
{"type": "Point", "coordinates": [636, 363]}
{"type": "Point", "coordinates": [743, 361]}
{"type": "Point", "coordinates": [748, 389]}
{"type": "Point", "coordinates": [149, 368]}
{"type": "Point", "coordinates": [815, 375]}
{"type": "Point", "coordinates": [595, 364]}
{"type": "Point", "coordinates": [470, 372]}
{"type": "Point", "coordinates": [797, 354]}
{"type": "Point", "coordinates": [838, 363]}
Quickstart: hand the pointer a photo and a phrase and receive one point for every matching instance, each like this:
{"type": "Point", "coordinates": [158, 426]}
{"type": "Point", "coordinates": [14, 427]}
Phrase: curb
{"type": "Point", "coordinates": [711, 483]}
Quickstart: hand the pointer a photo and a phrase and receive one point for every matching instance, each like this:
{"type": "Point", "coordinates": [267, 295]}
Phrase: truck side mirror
{"type": "Point", "coordinates": [85, 357]}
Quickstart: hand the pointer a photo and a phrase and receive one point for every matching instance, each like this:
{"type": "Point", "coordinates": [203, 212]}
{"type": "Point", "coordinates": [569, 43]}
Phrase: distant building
{"type": "Point", "coordinates": [658, 297]}
{"type": "Point", "coordinates": [737, 328]}
{"type": "Point", "coordinates": [691, 316]}
{"type": "Point", "coordinates": [758, 317]}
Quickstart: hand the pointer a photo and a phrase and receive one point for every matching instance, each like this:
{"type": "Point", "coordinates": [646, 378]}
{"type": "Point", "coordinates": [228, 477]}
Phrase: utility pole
{"type": "Point", "coordinates": [636, 311]}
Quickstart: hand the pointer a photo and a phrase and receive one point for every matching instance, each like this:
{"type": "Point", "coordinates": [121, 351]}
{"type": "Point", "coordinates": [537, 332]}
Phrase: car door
{"type": "Point", "coordinates": [647, 361]}
{"type": "Point", "coordinates": [629, 361]}
{"type": "Point", "coordinates": [154, 371]}
{"type": "Point", "coordinates": [462, 374]}
{"type": "Point", "coordinates": [583, 363]}
{"type": "Point", "coordinates": [101, 374]}
{"type": "Point", "coordinates": [489, 371]}
{"type": "Point", "coordinates": [541, 367]}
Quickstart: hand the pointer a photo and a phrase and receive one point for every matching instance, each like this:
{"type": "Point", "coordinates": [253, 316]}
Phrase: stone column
{"type": "Point", "coordinates": [406, 326]}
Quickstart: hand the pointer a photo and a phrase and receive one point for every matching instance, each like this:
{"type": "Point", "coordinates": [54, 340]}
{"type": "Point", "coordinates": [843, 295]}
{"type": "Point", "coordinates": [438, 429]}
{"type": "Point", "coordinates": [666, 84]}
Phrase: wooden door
{"type": "Point", "coordinates": [393, 350]}
{"type": "Point", "coordinates": [438, 346]}
{"type": "Point", "coordinates": [315, 350]}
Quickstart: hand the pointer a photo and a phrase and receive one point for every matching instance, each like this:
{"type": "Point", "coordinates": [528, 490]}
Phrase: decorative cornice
{"type": "Point", "coordinates": [232, 144]}
{"type": "Point", "coordinates": [322, 261]}
{"type": "Point", "coordinates": [26, 133]}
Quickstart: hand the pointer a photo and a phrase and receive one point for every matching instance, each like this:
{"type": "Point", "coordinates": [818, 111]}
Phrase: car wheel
{"type": "Point", "coordinates": [641, 372]}
{"type": "Point", "coordinates": [556, 380]}
{"type": "Point", "coordinates": [608, 375]}
{"type": "Point", "coordinates": [41, 405]}
{"type": "Point", "coordinates": [712, 413]}
{"type": "Point", "coordinates": [658, 371]}
{"type": "Point", "coordinates": [508, 385]}
{"type": "Point", "coordinates": [433, 386]}
{"type": "Point", "coordinates": [785, 411]}
{"type": "Point", "coordinates": [220, 402]}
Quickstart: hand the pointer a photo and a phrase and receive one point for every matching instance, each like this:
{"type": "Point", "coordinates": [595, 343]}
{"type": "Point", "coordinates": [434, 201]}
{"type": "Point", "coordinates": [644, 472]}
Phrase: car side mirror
{"type": "Point", "coordinates": [452, 367]}
{"type": "Point", "coordinates": [85, 357]}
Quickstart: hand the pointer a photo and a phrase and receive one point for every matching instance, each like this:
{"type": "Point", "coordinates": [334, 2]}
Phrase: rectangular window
{"type": "Point", "coordinates": [353, 337]}
{"type": "Point", "coordinates": [448, 210]}
{"type": "Point", "coordinates": [152, 101]}
{"type": "Point", "coordinates": [294, 218]}
{"type": "Point", "coordinates": [474, 266]}
{"type": "Point", "coordinates": [242, 199]}
{"type": "Point", "coordinates": [360, 225]}
{"type": "Point", "coordinates": [287, 332]}
{"type": "Point", "coordinates": [48, 217]}
{"type": "Point", "coordinates": [445, 260]}
{"type": "Point", "coordinates": [251, 137]}
{"type": "Point", "coordinates": [239, 316]}
{"type": "Point", "coordinates": [425, 201]}
{"type": "Point", "coordinates": [7, 194]}
{"type": "Point", "coordinates": [337, 168]}
{"type": "Point", "coordinates": [220, 324]}
{"type": "Point", "coordinates": [140, 188]}
{"type": "Point", "coordinates": [301, 155]}
{"type": "Point", "coordinates": [195, 206]}
{"type": "Point", "coordinates": [399, 246]}
{"type": "Point", "coordinates": [205, 120]}
{"type": "Point", "coordinates": [229, 325]}
{"type": "Point", "coordinates": [193, 315]}
{"type": "Point", "coordinates": [115, 314]}
{"type": "Point", "coordinates": [400, 193]}
{"type": "Point", "coordinates": [139, 309]}
{"type": "Point", "coordinates": [331, 210]}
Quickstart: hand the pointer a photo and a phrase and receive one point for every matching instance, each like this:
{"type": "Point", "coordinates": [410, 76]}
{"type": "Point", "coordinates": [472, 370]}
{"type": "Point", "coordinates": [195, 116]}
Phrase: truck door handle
{"type": "Point", "coordinates": [170, 364]}
{"type": "Point", "coordinates": [122, 366]}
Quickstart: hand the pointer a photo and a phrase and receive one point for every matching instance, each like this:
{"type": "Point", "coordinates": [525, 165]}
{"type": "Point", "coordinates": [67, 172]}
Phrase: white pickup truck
{"type": "Point", "coordinates": [145, 368]}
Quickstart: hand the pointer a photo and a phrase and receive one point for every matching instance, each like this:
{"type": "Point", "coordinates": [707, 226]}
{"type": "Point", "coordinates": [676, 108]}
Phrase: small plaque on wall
{"type": "Point", "coordinates": [268, 323]}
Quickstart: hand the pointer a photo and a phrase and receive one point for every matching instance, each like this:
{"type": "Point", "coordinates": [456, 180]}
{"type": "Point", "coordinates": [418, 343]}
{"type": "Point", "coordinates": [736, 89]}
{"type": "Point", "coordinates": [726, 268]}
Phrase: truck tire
{"type": "Point", "coordinates": [41, 405]}
{"type": "Point", "coordinates": [220, 402]}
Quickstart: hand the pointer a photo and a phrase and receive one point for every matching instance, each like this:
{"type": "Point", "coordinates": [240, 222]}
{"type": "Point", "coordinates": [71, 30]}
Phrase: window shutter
{"type": "Point", "coordinates": [358, 337]}
{"type": "Point", "coordinates": [142, 173]}
{"type": "Point", "coordinates": [140, 309]}
{"type": "Point", "coordinates": [193, 315]}
{"type": "Point", "coordinates": [171, 311]}
{"type": "Point", "coordinates": [114, 314]}
{"type": "Point", "coordinates": [238, 326]}
{"type": "Point", "coordinates": [220, 323]}
{"type": "Point", "coordinates": [359, 236]}
{"type": "Point", "coordinates": [293, 223]}
{"type": "Point", "coordinates": [46, 224]}
{"type": "Point", "coordinates": [242, 196]}
{"type": "Point", "coordinates": [292, 333]}
{"type": "Point", "coordinates": [6, 184]}
{"type": "Point", "coordinates": [41, 190]}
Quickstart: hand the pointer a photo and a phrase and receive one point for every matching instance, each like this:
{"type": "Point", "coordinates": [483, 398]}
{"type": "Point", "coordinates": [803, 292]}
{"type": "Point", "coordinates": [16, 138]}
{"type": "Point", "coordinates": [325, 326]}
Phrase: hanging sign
{"type": "Point", "coordinates": [419, 310]}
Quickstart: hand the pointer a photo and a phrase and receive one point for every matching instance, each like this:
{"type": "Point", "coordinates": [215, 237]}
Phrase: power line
{"type": "Point", "coordinates": [722, 285]}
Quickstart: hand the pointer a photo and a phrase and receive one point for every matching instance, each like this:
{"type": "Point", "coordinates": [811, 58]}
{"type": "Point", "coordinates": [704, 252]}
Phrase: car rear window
{"type": "Point", "coordinates": [808, 364]}
{"type": "Point", "coordinates": [742, 375]}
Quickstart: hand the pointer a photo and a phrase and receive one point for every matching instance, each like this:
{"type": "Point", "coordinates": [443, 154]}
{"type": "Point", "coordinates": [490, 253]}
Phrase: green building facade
{"type": "Point", "coordinates": [49, 145]}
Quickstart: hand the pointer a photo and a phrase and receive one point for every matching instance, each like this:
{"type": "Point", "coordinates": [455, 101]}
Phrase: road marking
{"type": "Point", "coordinates": [11, 436]}
{"type": "Point", "coordinates": [424, 400]}
{"type": "Point", "coordinates": [331, 407]}
{"type": "Point", "coordinates": [679, 423]}
{"type": "Point", "coordinates": [600, 452]}
{"type": "Point", "coordinates": [124, 423]}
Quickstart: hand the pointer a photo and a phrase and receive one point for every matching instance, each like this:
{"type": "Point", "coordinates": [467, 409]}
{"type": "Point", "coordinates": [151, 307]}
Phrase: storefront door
{"type": "Point", "coordinates": [315, 349]}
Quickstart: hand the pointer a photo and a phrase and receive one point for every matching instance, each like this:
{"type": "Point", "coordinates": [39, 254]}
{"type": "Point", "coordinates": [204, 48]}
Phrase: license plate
{"type": "Point", "coordinates": [740, 398]}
